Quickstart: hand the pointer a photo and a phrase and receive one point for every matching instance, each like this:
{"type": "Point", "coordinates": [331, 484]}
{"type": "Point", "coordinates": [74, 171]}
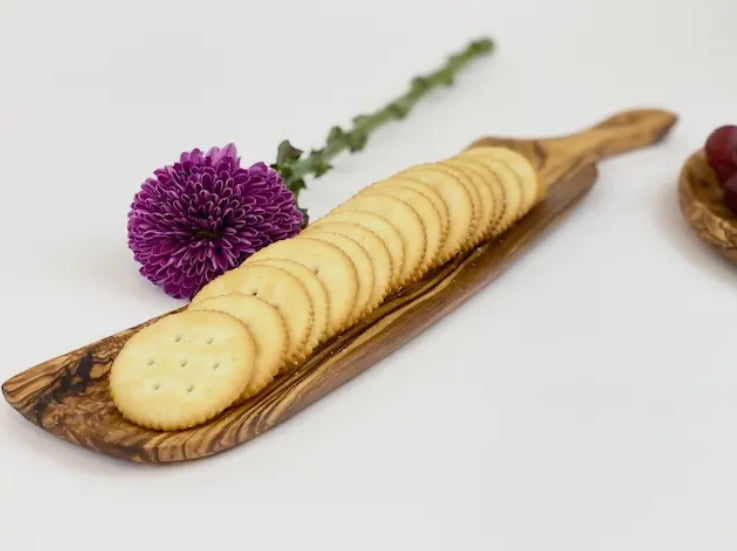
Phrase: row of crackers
{"type": "Point", "coordinates": [267, 316]}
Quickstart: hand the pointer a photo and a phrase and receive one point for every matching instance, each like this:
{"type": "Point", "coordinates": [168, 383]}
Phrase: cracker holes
{"type": "Point", "coordinates": [183, 363]}
{"type": "Point", "coordinates": [316, 270]}
{"type": "Point", "coordinates": [254, 293]}
{"type": "Point", "coordinates": [190, 388]}
{"type": "Point", "coordinates": [150, 361]}
{"type": "Point", "coordinates": [215, 366]}
{"type": "Point", "coordinates": [156, 386]}
{"type": "Point", "coordinates": [210, 340]}
{"type": "Point", "coordinates": [178, 338]}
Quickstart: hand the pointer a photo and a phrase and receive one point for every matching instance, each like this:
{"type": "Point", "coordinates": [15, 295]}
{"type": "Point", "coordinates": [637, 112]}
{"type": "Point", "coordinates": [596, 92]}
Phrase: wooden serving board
{"type": "Point", "coordinates": [702, 203]}
{"type": "Point", "coordinates": [68, 396]}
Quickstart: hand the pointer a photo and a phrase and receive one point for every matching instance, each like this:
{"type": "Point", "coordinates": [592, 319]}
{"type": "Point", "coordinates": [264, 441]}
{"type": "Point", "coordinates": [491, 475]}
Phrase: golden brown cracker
{"type": "Point", "coordinates": [182, 370]}
{"type": "Point", "coordinates": [487, 204]}
{"type": "Point", "coordinates": [315, 289]}
{"type": "Point", "coordinates": [428, 213]}
{"type": "Point", "coordinates": [497, 191]}
{"type": "Point", "coordinates": [458, 199]}
{"type": "Point", "coordinates": [427, 190]}
{"type": "Point", "coordinates": [404, 218]}
{"type": "Point", "coordinates": [533, 186]}
{"type": "Point", "coordinates": [277, 287]}
{"type": "Point", "coordinates": [362, 262]}
{"type": "Point", "coordinates": [331, 265]}
{"type": "Point", "coordinates": [375, 247]}
{"type": "Point", "coordinates": [269, 331]}
{"type": "Point", "coordinates": [383, 229]}
{"type": "Point", "coordinates": [512, 194]}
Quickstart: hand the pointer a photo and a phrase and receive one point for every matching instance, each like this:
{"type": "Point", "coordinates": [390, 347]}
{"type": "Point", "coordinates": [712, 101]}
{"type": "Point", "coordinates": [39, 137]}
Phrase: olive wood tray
{"type": "Point", "coordinates": [68, 396]}
{"type": "Point", "coordinates": [702, 202]}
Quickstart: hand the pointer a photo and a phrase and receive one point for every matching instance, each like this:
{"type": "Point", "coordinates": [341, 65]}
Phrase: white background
{"type": "Point", "coordinates": [587, 400]}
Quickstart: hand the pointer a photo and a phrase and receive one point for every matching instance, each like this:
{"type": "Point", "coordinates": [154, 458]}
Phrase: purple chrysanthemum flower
{"type": "Point", "coordinates": [206, 215]}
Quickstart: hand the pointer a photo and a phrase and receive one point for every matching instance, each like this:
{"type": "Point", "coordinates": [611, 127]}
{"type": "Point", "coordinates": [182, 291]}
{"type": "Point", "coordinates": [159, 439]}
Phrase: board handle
{"type": "Point", "coordinates": [625, 131]}
{"type": "Point", "coordinates": [618, 134]}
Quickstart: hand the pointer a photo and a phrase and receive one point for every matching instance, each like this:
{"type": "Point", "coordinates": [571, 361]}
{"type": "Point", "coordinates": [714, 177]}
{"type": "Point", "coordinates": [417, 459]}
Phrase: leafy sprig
{"type": "Point", "coordinates": [293, 165]}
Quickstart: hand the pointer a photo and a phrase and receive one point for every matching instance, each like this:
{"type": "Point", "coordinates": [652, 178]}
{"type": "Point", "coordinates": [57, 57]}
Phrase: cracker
{"type": "Point", "coordinates": [182, 370]}
{"type": "Point", "coordinates": [383, 229]}
{"type": "Point", "coordinates": [403, 217]}
{"type": "Point", "coordinates": [362, 262]}
{"type": "Point", "coordinates": [497, 191]}
{"type": "Point", "coordinates": [427, 190]}
{"type": "Point", "coordinates": [269, 331]}
{"type": "Point", "coordinates": [456, 196]}
{"type": "Point", "coordinates": [487, 204]}
{"type": "Point", "coordinates": [426, 210]}
{"type": "Point", "coordinates": [459, 176]}
{"type": "Point", "coordinates": [491, 191]}
{"type": "Point", "coordinates": [277, 287]}
{"type": "Point", "coordinates": [315, 289]}
{"type": "Point", "coordinates": [533, 185]}
{"type": "Point", "coordinates": [375, 247]}
{"type": "Point", "coordinates": [512, 194]}
{"type": "Point", "coordinates": [332, 267]}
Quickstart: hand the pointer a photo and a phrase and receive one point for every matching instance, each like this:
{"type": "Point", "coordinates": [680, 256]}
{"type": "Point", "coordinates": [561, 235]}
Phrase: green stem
{"type": "Point", "coordinates": [293, 167]}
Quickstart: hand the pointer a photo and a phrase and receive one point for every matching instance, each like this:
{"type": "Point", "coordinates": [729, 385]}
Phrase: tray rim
{"type": "Point", "coordinates": [713, 229]}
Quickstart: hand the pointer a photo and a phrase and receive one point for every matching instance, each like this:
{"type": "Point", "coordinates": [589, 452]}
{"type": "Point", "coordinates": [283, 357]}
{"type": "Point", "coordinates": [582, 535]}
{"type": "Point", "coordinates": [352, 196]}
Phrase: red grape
{"type": "Point", "coordinates": [730, 193]}
{"type": "Point", "coordinates": [721, 152]}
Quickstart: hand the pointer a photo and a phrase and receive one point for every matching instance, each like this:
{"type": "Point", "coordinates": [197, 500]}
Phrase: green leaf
{"type": "Point", "coordinates": [420, 84]}
{"type": "Point", "coordinates": [481, 46]}
{"type": "Point", "coordinates": [287, 153]}
{"type": "Point", "coordinates": [285, 171]}
{"type": "Point", "coordinates": [356, 141]}
{"type": "Point", "coordinates": [306, 215]}
{"type": "Point", "coordinates": [398, 110]}
{"type": "Point", "coordinates": [335, 136]}
{"type": "Point", "coordinates": [446, 77]}
{"type": "Point", "coordinates": [295, 185]}
{"type": "Point", "coordinates": [319, 163]}
{"type": "Point", "coordinates": [321, 166]}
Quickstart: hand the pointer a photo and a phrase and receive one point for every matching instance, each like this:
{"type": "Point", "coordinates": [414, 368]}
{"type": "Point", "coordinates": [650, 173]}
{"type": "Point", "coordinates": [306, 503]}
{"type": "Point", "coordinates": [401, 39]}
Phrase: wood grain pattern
{"type": "Point", "coordinates": [68, 395]}
{"type": "Point", "coordinates": [556, 157]}
{"type": "Point", "coordinates": [702, 203]}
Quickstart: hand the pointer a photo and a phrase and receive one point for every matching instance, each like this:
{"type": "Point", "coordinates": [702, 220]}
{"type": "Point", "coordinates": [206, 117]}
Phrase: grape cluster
{"type": "Point", "coordinates": [721, 154]}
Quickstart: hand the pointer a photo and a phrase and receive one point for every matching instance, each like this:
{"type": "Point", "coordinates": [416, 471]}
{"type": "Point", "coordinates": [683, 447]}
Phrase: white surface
{"type": "Point", "coordinates": [586, 401]}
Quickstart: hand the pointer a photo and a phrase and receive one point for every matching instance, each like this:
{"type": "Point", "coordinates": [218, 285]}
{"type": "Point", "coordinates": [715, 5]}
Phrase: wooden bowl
{"type": "Point", "coordinates": [702, 202]}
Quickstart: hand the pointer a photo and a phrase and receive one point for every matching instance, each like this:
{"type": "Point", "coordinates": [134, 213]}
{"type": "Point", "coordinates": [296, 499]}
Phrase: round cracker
{"type": "Point", "coordinates": [315, 289]}
{"type": "Point", "coordinates": [277, 287]}
{"type": "Point", "coordinates": [403, 217]}
{"type": "Point", "coordinates": [269, 331]}
{"type": "Point", "coordinates": [383, 229]}
{"type": "Point", "coordinates": [497, 191]}
{"type": "Point", "coordinates": [332, 267]}
{"type": "Point", "coordinates": [533, 185]}
{"type": "Point", "coordinates": [182, 370]}
{"type": "Point", "coordinates": [512, 194]}
{"type": "Point", "coordinates": [428, 191]}
{"type": "Point", "coordinates": [428, 213]}
{"type": "Point", "coordinates": [375, 247]}
{"type": "Point", "coordinates": [456, 196]}
{"type": "Point", "coordinates": [362, 262]}
{"type": "Point", "coordinates": [461, 177]}
{"type": "Point", "coordinates": [488, 205]}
